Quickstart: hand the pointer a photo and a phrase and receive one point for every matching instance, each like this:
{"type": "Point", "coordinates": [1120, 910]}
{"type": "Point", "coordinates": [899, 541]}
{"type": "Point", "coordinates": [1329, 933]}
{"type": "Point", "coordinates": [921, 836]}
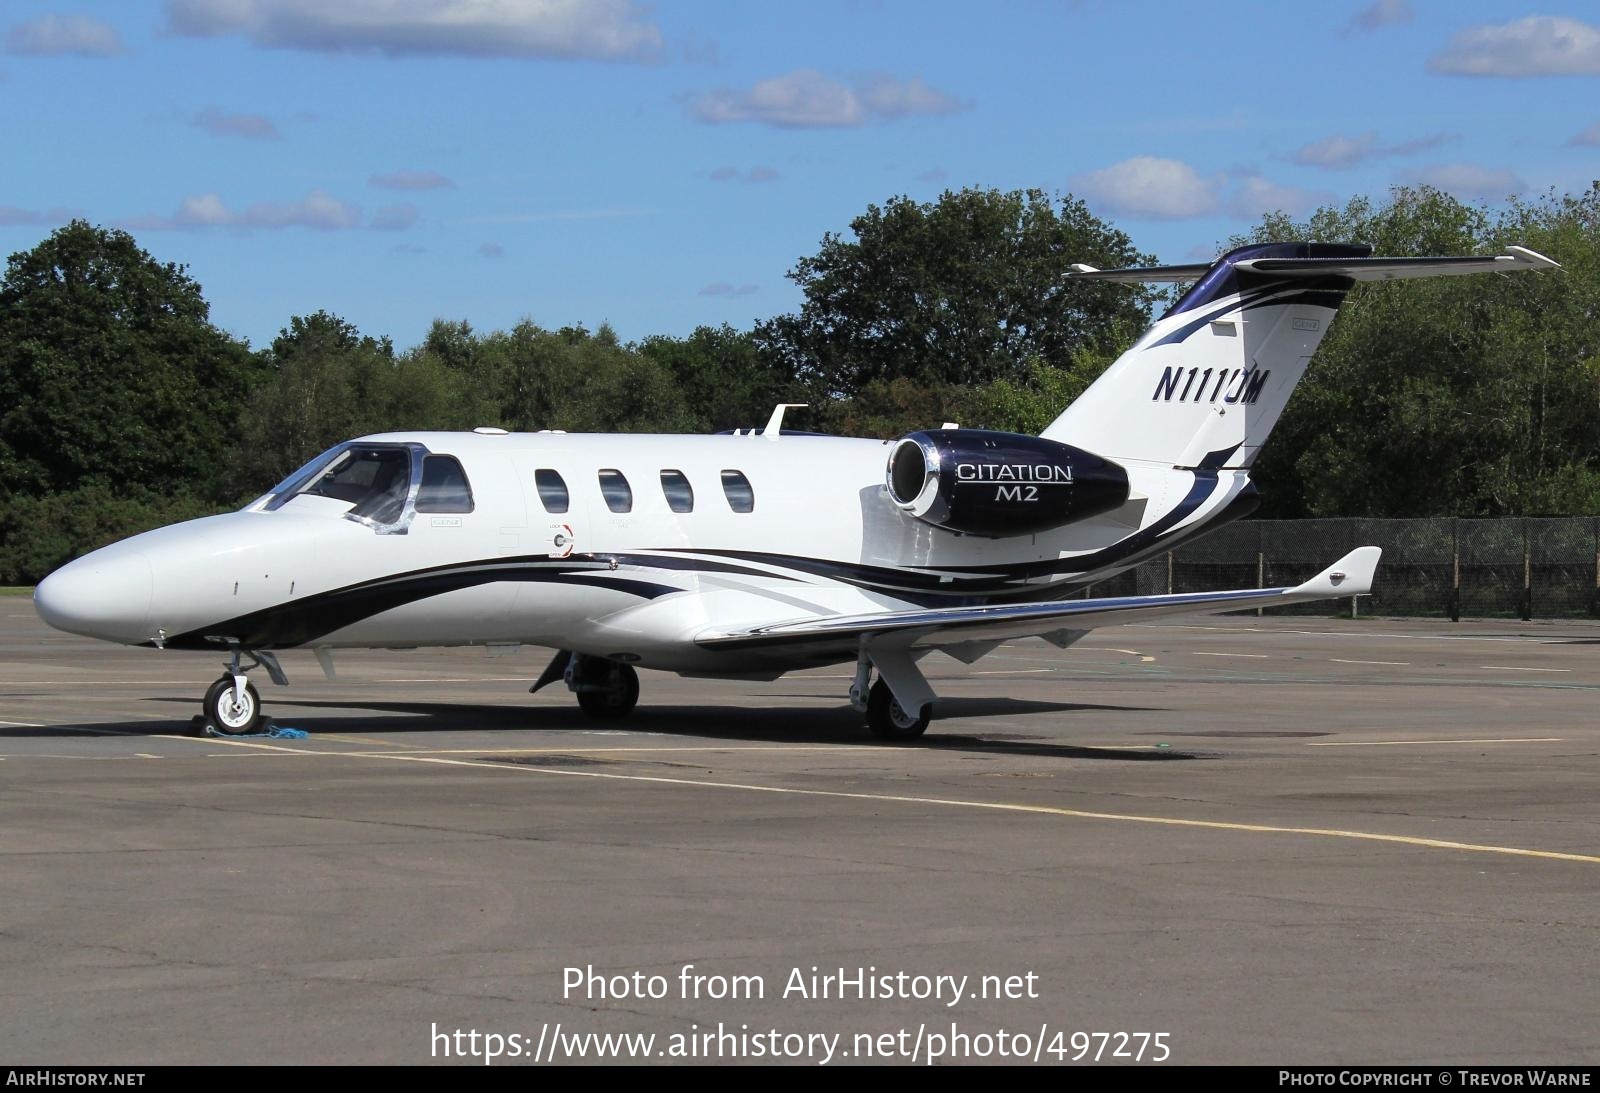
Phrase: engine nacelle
{"type": "Point", "coordinates": [998, 484]}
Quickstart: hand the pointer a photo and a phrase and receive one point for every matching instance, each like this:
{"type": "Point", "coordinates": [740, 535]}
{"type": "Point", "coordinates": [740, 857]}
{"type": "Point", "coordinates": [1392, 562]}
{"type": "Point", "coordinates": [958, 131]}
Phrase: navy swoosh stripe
{"type": "Point", "coordinates": [926, 584]}
{"type": "Point", "coordinates": [297, 622]}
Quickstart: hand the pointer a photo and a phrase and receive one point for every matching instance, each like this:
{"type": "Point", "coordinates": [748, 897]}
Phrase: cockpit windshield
{"type": "Point", "coordinates": [375, 479]}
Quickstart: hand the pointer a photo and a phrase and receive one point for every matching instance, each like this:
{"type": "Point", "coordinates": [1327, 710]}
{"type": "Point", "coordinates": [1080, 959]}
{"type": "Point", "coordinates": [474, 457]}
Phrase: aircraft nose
{"type": "Point", "coordinates": [106, 594]}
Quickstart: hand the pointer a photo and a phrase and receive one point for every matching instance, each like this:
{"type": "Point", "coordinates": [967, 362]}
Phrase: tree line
{"type": "Point", "coordinates": [122, 406]}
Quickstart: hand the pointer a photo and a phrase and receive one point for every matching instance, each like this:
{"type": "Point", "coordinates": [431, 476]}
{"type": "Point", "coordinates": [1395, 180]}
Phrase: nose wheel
{"type": "Point", "coordinates": [612, 696]}
{"type": "Point", "coordinates": [233, 709]}
{"type": "Point", "coordinates": [232, 705]}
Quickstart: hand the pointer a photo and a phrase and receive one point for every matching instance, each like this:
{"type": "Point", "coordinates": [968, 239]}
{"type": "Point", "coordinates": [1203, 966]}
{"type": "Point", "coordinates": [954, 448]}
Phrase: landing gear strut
{"type": "Point", "coordinates": [899, 704]}
{"type": "Point", "coordinates": [607, 690]}
{"type": "Point", "coordinates": [232, 705]}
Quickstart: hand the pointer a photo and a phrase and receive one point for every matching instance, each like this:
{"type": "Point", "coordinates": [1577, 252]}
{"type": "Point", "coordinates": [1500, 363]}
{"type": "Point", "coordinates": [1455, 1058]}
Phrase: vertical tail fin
{"type": "Point", "coordinates": [1204, 386]}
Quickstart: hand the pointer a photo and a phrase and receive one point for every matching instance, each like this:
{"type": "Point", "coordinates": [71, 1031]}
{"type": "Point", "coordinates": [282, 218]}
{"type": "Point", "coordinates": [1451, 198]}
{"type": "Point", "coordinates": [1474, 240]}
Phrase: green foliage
{"type": "Point", "coordinates": [111, 370]}
{"type": "Point", "coordinates": [965, 291]}
{"type": "Point", "coordinates": [37, 534]}
{"type": "Point", "coordinates": [1472, 396]}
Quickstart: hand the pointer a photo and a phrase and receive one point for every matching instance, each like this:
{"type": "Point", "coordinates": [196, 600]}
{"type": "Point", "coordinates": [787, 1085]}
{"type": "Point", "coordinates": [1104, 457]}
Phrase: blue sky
{"type": "Point", "coordinates": [659, 166]}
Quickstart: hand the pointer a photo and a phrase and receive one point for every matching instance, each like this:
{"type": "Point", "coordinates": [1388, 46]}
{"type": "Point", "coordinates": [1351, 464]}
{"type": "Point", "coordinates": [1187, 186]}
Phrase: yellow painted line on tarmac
{"type": "Point", "coordinates": [1252, 656]}
{"type": "Point", "coordinates": [1135, 653]}
{"type": "Point", "coordinates": [1385, 663]}
{"type": "Point", "coordinates": [947, 802]}
{"type": "Point", "coordinates": [1396, 743]}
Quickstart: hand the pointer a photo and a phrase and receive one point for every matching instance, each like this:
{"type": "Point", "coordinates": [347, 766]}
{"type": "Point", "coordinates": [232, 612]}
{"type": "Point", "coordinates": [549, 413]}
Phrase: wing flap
{"type": "Point", "coordinates": [1349, 576]}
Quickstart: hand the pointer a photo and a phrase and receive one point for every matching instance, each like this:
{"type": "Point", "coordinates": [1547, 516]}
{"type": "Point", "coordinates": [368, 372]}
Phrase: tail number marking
{"type": "Point", "coordinates": [1231, 384]}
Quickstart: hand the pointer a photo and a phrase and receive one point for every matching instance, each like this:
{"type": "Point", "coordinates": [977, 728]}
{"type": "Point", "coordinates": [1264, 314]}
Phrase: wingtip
{"type": "Point", "coordinates": [1350, 576]}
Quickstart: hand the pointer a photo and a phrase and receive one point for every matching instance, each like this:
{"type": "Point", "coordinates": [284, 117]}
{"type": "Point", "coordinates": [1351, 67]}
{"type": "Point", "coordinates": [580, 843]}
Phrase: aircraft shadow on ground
{"type": "Point", "coordinates": [764, 724]}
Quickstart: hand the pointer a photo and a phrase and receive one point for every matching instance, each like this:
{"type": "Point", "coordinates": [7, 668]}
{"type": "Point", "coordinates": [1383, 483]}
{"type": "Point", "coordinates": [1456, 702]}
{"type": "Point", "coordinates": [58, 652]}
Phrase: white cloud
{"type": "Point", "coordinates": [1151, 187]}
{"type": "Point", "coordinates": [889, 98]}
{"type": "Point", "coordinates": [1540, 45]}
{"type": "Point", "coordinates": [1256, 195]}
{"type": "Point", "coordinates": [396, 218]}
{"type": "Point", "coordinates": [806, 99]}
{"type": "Point", "coordinates": [410, 180]}
{"type": "Point", "coordinates": [1471, 182]}
{"type": "Point", "coordinates": [1380, 14]}
{"type": "Point", "coordinates": [1590, 137]}
{"type": "Point", "coordinates": [723, 288]}
{"type": "Point", "coordinates": [601, 30]}
{"type": "Point", "coordinates": [249, 126]}
{"type": "Point", "coordinates": [62, 35]}
{"type": "Point", "coordinates": [11, 216]}
{"type": "Point", "coordinates": [1339, 151]}
{"type": "Point", "coordinates": [318, 210]}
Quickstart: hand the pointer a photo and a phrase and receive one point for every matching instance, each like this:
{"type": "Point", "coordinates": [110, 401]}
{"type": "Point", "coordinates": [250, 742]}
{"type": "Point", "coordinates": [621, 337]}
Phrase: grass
{"type": "Point", "coordinates": [16, 590]}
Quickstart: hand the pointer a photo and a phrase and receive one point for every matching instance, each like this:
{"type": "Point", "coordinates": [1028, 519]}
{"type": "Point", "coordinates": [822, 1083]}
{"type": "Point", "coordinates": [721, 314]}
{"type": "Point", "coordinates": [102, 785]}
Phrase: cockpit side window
{"type": "Point", "coordinates": [374, 480]}
{"type": "Point", "coordinates": [444, 486]}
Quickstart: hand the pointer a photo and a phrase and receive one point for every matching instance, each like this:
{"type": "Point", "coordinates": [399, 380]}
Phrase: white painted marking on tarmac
{"type": "Point", "coordinates": [1397, 743]}
{"type": "Point", "coordinates": [1002, 806]}
{"type": "Point", "coordinates": [1135, 653]}
{"type": "Point", "coordinates": [1378, 634]}
{"type": "Point", "coordinates": [1514, 668]}
{"type": "Point", "coordinates": [946, 802]}
{"type": "Point", "coordinates": [1385, 663]}
{"type": "Point", "coordinates": [1252, 656]}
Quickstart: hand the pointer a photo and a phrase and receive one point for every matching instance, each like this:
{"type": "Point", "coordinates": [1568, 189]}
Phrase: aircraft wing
{"type": "Point", "coordinates": [1349, 576]}
{"type": "Point", "coordinates": [1516, 259]}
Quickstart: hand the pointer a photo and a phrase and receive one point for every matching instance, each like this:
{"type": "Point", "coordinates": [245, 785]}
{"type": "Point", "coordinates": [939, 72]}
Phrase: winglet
{"type": "Point", "coordinates": [1349, 576]}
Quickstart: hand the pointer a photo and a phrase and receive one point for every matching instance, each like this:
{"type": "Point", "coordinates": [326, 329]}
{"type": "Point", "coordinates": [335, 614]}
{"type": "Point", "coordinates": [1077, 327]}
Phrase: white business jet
{"type": "Point", "coordinates": [748, 555]}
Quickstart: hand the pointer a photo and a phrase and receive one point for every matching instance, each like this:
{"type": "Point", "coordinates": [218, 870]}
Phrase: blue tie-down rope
{"type": "Point", "coordinates": [273, 731]}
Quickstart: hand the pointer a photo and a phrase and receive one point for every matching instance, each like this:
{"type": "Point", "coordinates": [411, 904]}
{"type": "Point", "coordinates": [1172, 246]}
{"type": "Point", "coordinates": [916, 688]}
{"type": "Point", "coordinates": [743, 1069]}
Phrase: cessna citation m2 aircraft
{"type": "Point", "coordinates": [746, 556]}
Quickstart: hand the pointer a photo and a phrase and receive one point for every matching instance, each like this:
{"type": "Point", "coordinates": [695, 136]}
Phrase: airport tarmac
{"type": "Point", "coordinates": [1275, 841]}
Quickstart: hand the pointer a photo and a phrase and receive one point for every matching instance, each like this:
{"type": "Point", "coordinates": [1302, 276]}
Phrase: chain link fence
{"type": "Point", "coordinates": [1444, 568]}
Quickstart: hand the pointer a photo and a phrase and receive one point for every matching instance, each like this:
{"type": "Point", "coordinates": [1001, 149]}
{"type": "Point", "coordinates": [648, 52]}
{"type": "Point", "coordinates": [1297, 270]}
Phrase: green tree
{"type": "Point", "coordinates": [965, 291]}
{"type": "Point", "coordinates": [1471, 396]}
{"type": "Point", "coordinates": [726, 380]}
{"type": "Point", "coordinates": [111, 371]}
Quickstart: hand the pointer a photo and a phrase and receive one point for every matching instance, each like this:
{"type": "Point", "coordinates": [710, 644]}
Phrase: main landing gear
{"type": "Point", "coordinates": [232, 704]}
{"type": "Point", "coordinates": [899, 704]}
{"type": "Point", "coordinates": [607, 690]}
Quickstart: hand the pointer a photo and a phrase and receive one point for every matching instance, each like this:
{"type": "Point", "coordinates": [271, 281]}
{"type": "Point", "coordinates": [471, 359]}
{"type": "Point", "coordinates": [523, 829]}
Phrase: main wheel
{"type": "Point", "coordinates": [229, 715]}
{"type": "Point", "coordinates": [888, 721]}
{"type": "Point", "coordinates": [616, 699]}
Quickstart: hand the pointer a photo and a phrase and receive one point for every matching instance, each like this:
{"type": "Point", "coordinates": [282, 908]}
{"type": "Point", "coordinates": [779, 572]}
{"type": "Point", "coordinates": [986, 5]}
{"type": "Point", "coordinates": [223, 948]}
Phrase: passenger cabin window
{"type": "Point", "coordinates": [444, 486]}
{"type": "Point", "coordinates": [741, 498]}
{"type": "Point", "coordinates": [375, 480]}
{"type": "Point", "coordinates": [680, 495]}
{"type": "Point", "coordinates": [552, 490]}
{"type": "Point", "coordinates": [615, 489]}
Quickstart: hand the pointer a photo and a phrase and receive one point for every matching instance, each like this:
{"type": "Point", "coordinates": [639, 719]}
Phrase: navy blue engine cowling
{"type": "Point", "coordinates": [997, 484]}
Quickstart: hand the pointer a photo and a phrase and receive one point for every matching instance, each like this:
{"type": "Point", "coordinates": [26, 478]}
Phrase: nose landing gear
{"type": "Point", "coordinates": [232, 705]}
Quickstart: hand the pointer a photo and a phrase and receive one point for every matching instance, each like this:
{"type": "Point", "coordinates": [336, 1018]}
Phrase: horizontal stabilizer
{"type": "Point", "coordinates": [937, 627]}
{"type": "Point", "coordinates": [1516, 259]}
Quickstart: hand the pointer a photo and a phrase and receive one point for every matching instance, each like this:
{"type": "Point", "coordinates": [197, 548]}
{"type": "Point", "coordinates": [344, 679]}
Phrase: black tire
{"type": "Point", "coordinates": [227, 717]}
{"type": "Point", "coordinates": [888, 721]}
{"type": "Point", "coordinates": [616, 699]}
